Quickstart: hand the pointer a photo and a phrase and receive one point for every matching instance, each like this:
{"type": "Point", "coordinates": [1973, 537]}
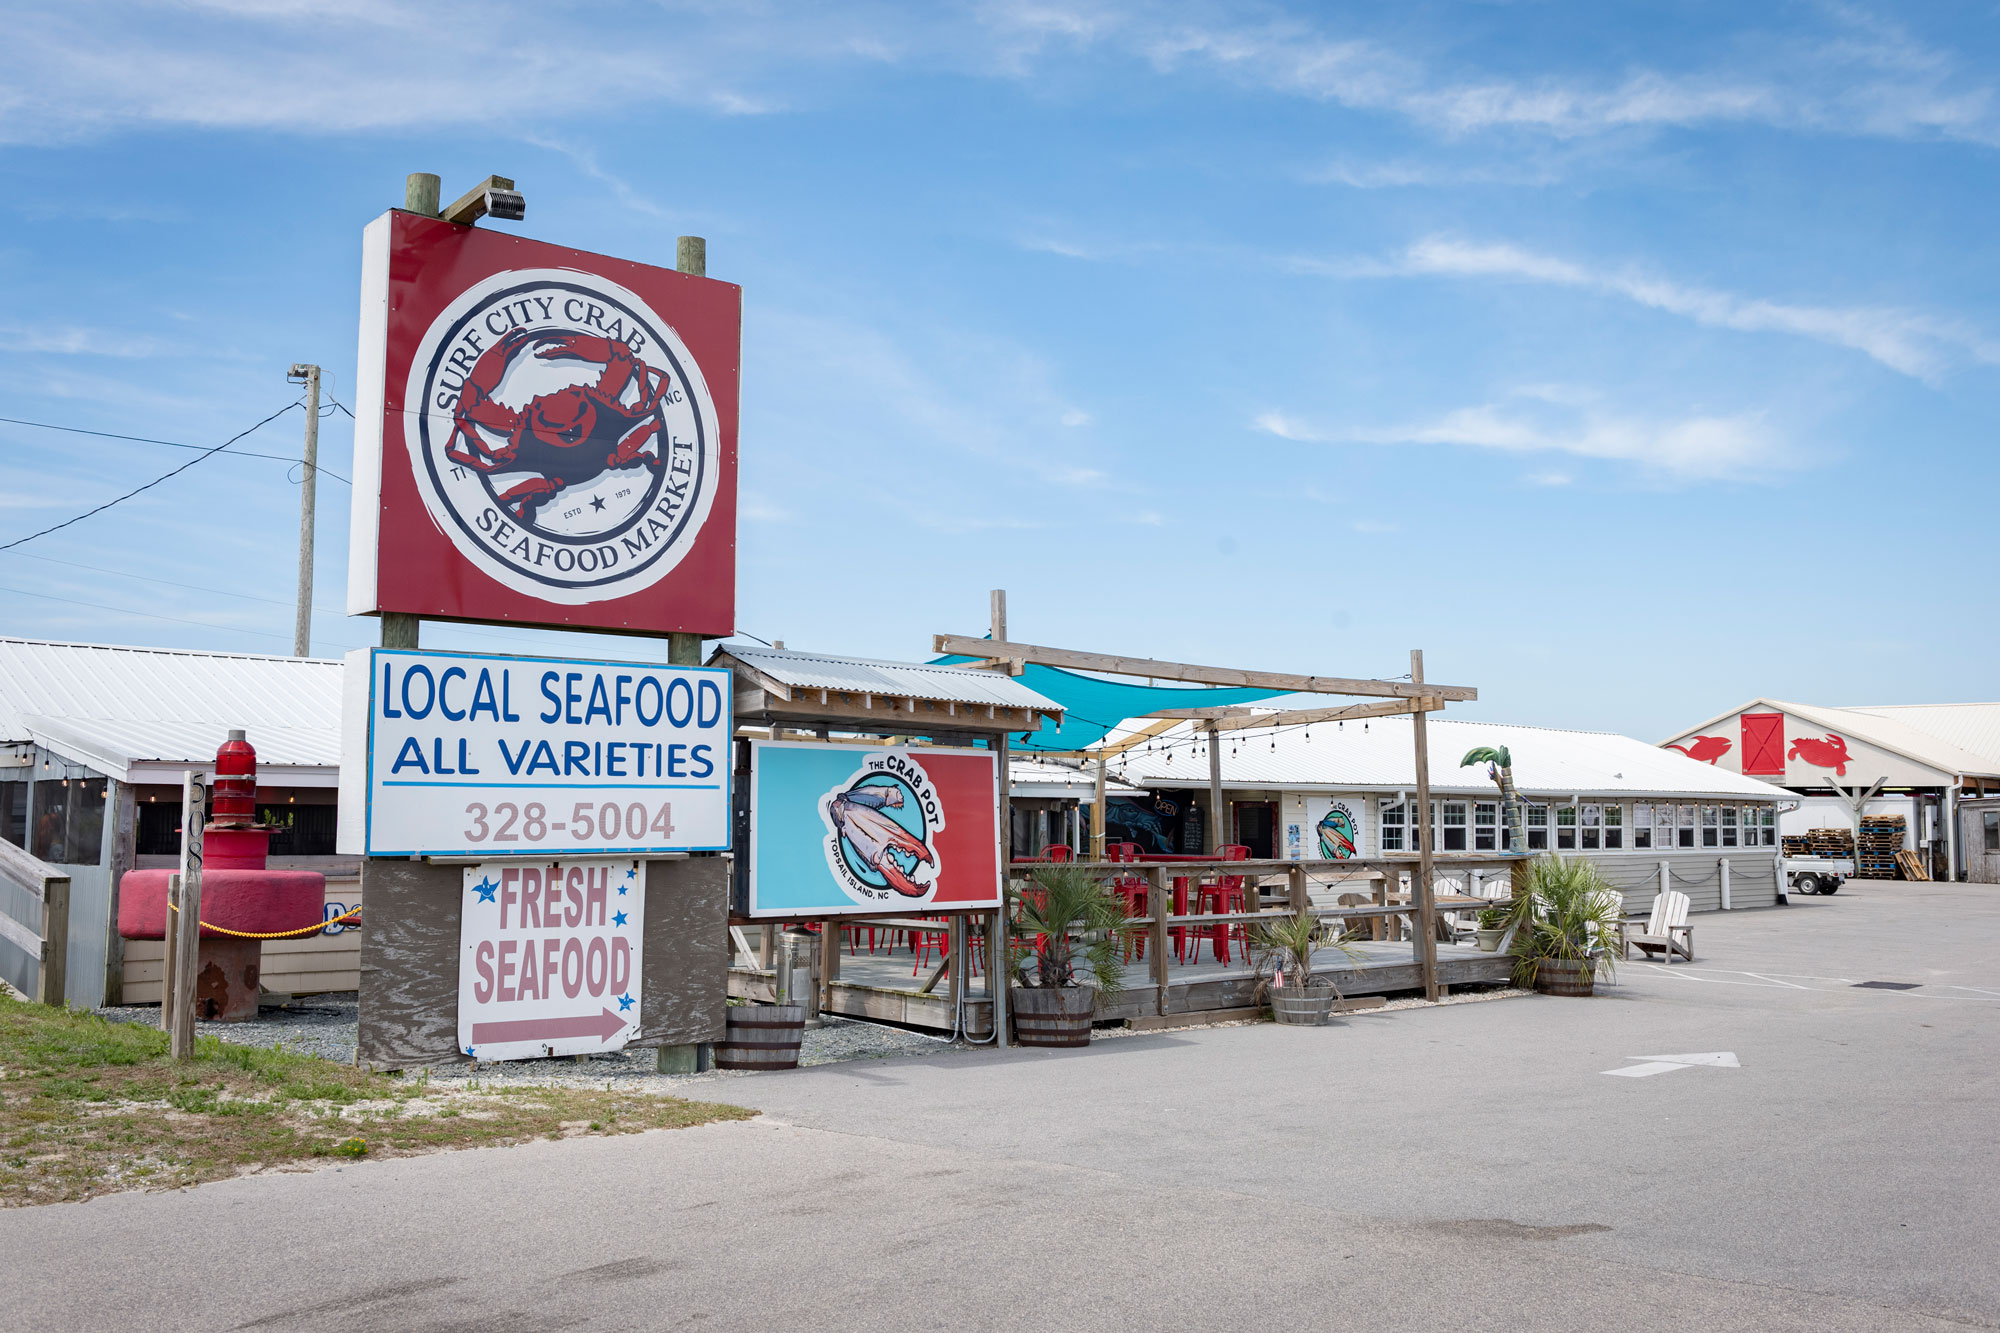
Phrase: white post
{"type": "Point", "coordinates": [1950, 814]}
{"type": "Point", "coordinates": [1666, 877]}
{"type": "Point", "coordinates": [1723, 865]}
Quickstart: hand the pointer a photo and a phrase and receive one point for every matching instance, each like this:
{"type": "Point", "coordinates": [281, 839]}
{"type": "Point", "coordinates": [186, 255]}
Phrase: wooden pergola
{"type": "Point", "coordinates": [1416, 697]}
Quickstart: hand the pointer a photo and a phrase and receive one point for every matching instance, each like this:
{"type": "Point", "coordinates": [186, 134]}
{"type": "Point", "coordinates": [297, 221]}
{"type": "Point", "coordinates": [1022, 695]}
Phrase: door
{"type": "Point", "coordinates": [1763, 751]}
{"type": "Point", "coordinates": [1255, 822]}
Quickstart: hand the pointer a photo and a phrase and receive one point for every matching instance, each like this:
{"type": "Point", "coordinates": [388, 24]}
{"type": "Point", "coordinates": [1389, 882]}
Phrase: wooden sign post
{"type": "Point", "coordinates": [184, 931]}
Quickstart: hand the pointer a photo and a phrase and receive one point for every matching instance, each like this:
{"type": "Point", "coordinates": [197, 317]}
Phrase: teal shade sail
{"type": "Point", "coordinates": [1092, 707]}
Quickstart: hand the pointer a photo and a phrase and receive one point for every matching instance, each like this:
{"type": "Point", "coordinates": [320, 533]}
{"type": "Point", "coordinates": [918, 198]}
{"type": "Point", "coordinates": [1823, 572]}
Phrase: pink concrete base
{"type": "Point", "coordinates": [226, 979]}
{"type": "Point", "coordinates": [250, 900]}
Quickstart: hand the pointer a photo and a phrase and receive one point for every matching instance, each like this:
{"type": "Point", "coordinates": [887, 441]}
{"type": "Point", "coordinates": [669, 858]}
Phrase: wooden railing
{"type": "Point", "coordinates": [48, 942]}
{"type": "Point", "coordinates": [1388, 870]}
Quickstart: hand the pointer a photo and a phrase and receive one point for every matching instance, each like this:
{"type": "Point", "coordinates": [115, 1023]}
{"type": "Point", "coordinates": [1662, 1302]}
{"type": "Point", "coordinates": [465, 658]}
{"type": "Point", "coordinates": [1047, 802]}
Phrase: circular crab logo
{"type": "Point", "coordinates": [562, 435]}
{"type": "Point", "coordinates": [881, 826]}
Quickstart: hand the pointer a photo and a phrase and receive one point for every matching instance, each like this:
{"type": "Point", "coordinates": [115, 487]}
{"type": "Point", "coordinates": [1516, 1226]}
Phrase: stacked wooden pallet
{"type": "Point", "coordinates": [1881, 838]}
{"type": "Point", "coordinates": [1831, 842]}
{"type": "Point", "coordinates": [1912, 866]}
{"type": "Point", "coordinates": [1797, 844]}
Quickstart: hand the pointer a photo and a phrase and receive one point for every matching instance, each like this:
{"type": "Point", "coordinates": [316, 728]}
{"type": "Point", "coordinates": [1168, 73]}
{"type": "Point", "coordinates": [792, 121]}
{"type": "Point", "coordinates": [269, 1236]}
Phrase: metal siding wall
{"type": "Point", "coordinates": [89, 934]}
{"type": "Point", "coordinates": [19, 968]}
{"type": "Point", "coordinates": [1698, 874]}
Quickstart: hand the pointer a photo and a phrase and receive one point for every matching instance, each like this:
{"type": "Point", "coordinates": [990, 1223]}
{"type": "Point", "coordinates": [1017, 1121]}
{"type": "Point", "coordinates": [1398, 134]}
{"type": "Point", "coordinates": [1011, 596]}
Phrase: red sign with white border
{"type": "Point", "coordinates": [543, 436]}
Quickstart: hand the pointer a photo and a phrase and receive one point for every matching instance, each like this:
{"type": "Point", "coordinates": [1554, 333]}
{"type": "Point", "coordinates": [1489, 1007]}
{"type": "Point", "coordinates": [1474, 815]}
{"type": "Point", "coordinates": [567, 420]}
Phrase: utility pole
{"type": "Point", "coordinates": [308, 498]}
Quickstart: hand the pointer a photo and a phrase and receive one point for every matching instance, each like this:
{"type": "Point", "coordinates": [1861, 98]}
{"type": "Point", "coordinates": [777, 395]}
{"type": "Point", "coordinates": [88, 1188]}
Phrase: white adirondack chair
{"type": "Point", "coordinates": [1666, 931]}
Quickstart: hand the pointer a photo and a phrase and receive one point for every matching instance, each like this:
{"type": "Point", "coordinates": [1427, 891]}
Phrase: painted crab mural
{"type": "Point", "coordinates": [877, 841]}
{"type": "Point", "coordinates": [1829, 751]}
{"type": "Point", "coordinates": [560, 439]}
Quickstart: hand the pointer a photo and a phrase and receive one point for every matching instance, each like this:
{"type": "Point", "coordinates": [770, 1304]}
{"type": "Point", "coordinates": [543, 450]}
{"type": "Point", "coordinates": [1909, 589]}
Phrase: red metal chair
{"type": "Point", "coordinates": [1223, 894]}
{"type": "Point", "coordinates": [1059, 853]}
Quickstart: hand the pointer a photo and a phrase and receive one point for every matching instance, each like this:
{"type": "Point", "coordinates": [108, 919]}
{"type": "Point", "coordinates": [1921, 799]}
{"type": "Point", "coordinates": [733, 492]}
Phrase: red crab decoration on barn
{"type": "Point", "coordinates": [565, 438]}
{"type": "Point", "coordinates": [1706, 749]}
{"type": "Point", "coordinates": [1830, 752]}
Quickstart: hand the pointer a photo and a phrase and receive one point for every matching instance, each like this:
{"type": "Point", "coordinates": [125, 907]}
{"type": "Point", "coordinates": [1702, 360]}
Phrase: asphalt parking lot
{"type": "Point", "coordinates": [1817, 1153]}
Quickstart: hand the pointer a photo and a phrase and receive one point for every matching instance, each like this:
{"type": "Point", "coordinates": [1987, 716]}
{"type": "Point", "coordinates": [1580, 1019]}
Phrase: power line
{"type": "Point", "coordinates": [171, 444]}
{"type": "Point", "coordinates": [22, 541]}
{"type": "Point", "coordinates": [150, 615]}
{"type": "Point", "coordinates": [176, 583]}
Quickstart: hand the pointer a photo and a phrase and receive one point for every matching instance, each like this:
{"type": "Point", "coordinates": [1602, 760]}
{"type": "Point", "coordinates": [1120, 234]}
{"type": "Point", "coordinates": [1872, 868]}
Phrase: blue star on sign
{"type": "Point", "coordinates": [468, 1050]}
{"type": "Point", "coordinates": [625, 1002]}
{"type": "Point", "coordinates": [485, 889]}
{"type": "Point", "coordinates": [618, 920]}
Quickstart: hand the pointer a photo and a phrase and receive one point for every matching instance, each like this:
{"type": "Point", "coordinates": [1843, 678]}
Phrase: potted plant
{"type": "Point", "coordinates": [1492, 929]}
{"type": "Point", "coordinates": [1285, 973]}
{"type": "Point", "coordinates": [1564, 926]}
{"type": "Point", "coordinates": [1066, 926]}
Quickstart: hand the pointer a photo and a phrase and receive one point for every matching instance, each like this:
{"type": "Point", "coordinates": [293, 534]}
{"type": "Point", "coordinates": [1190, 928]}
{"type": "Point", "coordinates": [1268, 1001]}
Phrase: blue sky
{"type": "Point", "coordinates": [1631, 360]}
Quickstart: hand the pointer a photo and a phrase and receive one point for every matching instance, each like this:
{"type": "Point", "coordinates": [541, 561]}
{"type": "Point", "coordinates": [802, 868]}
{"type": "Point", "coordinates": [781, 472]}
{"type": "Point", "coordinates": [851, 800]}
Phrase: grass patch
{"type": "Point", "coordinates": [89, 1106]}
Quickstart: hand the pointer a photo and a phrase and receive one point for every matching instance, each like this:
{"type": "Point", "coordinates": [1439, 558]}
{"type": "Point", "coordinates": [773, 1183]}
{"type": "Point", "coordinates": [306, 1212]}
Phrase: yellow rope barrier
{"type": "Point", "coordinates": [274, 934]}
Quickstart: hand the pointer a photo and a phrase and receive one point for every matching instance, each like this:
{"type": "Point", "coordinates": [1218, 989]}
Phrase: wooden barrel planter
{"type": "Point", "coordinates": [762, 1036]}
{"type": "Point", "coordinates": [1303, 1006]}
{"type": "Point", "coordinates": [1053, 1015]}
{"type": "Point", "coordinates": [1565, 976]}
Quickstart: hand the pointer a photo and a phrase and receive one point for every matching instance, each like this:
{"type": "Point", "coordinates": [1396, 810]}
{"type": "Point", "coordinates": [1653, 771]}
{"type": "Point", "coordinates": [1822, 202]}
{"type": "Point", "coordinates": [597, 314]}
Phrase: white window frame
{"type": "Point", "coordinates": [1535, 824]}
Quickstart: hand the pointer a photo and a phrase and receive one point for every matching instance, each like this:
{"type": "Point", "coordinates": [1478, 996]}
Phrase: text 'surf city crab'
{"type": "Point", "coordinates": [565, 438]}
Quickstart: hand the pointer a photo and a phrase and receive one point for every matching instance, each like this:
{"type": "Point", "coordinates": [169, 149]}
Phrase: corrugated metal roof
{"type": "Point", "coordinates": [903, 680]}
{"type": "Point", "coordinates": [1046, 779]}
{"type": "Point", "coordinates": [1971, 728]}
{"type": "Point", "coordinates": [110, 706]}
{"type": "Point", "coordinates": [1380, 755]}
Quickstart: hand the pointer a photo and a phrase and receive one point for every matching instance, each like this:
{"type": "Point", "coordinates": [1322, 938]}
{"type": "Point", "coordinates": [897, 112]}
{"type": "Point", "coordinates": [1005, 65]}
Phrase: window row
{"type": "Point", "coordinates": [1588, 826]}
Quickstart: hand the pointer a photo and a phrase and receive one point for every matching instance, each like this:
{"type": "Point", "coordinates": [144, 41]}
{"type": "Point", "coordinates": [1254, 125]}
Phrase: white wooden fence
{"type": "Point", "coordinates": [47, 940]}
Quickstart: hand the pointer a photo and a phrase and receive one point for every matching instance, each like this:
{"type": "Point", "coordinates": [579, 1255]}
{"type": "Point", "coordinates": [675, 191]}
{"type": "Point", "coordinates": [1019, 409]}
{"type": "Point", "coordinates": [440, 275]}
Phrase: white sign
{"type": "Point", "coordinates": [550, 957]}
{"type": "Point", "coordinates": [1330, 828]}
{"type": "Point", "coordinates": [465, 754]}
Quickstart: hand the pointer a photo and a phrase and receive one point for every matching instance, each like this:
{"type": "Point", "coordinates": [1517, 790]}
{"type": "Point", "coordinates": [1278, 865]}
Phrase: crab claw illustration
{"type": "Point", "coordinates": [873, 836]}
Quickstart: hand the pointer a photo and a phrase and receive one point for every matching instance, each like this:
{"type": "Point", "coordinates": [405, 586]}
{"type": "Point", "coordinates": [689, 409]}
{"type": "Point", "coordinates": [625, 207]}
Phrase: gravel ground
{"type": "Point", "coordinates": [324, 1025]}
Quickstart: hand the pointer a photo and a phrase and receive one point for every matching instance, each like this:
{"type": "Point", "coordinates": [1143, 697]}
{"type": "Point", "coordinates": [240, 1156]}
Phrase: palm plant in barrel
{"type": "Point", "coordinates": [1564, 924]}
{"type": "Point", "coordinates": [1067, 927]}
{"type": "Point", "coordinates": [1285, 975]}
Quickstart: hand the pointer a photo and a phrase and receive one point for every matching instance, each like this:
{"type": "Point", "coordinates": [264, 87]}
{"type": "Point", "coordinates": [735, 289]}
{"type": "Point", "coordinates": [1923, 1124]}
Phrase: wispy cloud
{"type": "Point", "coordinates": [96, 66]}
{"type": "Point", "coordinates": [1910, 342]}
{"type": "Point", "coordinates": [1692, 448]}
{"type": "Point", "coordinates": [73, 341]}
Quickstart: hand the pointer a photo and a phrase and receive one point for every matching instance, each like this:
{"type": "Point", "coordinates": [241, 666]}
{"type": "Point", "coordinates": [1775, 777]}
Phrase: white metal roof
{"type": "Point", "coordinates": [1972, 728]}
{"type": "Point", "coordinates": [1958, 740]}
{"type": "Point", "coordinates": [1047, 779]}
{"type": "Point", "coordinates": [902, 680]}
{"type": "Point", "coordinates": [147, 714]}
{"type": "Point", "coordinates": [1380, 755]}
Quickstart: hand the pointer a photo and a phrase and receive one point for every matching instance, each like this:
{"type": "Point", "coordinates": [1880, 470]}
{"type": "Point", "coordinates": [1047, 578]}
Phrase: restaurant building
{"type": "Point", "coordinates": [1644, 815]}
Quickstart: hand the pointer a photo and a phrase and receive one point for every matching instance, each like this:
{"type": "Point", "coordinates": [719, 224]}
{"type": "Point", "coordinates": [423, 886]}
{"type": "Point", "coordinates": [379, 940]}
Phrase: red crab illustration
{"type": "Point", "coordinates": [1706, 749]}
{"type": "Point", "coordinates": [567, 437]}
{"type": "Point", "coordinates": [1828, 753]}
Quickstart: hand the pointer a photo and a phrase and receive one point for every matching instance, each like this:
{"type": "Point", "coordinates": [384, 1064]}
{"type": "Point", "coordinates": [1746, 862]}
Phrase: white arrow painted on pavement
{"type": "Point", "coordinates": [1667, 1064]}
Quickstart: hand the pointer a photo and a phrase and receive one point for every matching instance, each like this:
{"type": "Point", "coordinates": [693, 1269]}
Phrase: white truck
{"type": "Point", "coordinates": [1817, 874]}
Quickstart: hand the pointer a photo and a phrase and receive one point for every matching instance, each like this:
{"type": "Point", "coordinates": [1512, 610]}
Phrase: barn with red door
{"type": "Point", "coordinates": [1916, 762]}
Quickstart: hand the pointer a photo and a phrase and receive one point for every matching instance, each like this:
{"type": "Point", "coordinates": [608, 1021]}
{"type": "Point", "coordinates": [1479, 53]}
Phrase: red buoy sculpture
{"type": "Point", "coordinates": [241, 898]}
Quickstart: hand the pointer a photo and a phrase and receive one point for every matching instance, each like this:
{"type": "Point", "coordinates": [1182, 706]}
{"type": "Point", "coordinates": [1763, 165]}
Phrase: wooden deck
{"type": "Point", "coordinates": [881, 986]}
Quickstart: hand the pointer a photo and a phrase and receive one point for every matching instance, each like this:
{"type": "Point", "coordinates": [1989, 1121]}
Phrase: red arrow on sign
{"type": "Point", "coordinates": [602, 1026]}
